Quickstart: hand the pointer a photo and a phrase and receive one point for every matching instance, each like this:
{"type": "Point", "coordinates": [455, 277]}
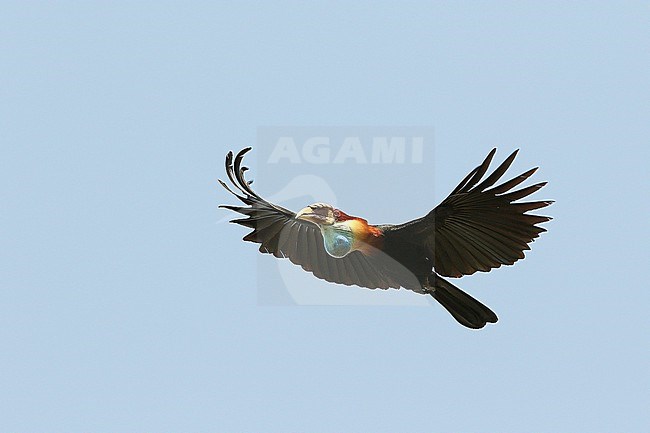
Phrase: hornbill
{"type": "Point", "coordinates": [478, 227]}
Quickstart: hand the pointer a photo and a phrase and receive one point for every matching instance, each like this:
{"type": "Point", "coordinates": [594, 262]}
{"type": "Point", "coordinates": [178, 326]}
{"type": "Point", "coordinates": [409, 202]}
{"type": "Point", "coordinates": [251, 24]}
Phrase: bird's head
{"type": "Point", "coordinates": [321, 214]}
{"type": "Point", "coordinates": [341, 232]}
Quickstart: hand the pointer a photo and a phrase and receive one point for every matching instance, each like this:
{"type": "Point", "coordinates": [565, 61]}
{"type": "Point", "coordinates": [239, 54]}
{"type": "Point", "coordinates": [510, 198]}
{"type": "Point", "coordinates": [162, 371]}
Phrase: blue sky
{"type": "Point", "coordinates": [127, 305]}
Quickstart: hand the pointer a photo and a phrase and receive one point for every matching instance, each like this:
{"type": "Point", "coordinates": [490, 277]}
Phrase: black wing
{"type": "Point", "coordinates": [477, 228]}
{"type": "Point", "coordinates": [281, 234]}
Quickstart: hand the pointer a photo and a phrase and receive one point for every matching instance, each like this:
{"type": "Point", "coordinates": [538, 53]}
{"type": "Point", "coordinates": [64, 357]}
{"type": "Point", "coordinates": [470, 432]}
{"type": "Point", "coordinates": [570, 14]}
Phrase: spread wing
{"type": "Point", "coordinates": [278, 232]}
{"type": "Point", "coordinates": [478, 227]}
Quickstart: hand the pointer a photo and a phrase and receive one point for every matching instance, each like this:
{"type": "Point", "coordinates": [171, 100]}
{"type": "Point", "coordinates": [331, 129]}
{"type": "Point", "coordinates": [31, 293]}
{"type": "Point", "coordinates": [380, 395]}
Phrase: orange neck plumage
{"type": "Point", "coordinates": [366, 236]}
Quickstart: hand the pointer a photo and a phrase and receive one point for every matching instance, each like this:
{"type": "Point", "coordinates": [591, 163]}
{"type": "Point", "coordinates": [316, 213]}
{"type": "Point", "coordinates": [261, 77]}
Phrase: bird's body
{"type": "Point", "coordinates": [476, 228]}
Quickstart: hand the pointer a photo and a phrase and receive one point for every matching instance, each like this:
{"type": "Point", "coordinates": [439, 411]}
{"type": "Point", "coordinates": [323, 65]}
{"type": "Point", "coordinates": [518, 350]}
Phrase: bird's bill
{"type": "Point", "coordinates": [308, 214]}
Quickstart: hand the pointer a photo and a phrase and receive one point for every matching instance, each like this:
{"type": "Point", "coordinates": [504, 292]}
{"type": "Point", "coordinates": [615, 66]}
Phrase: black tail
{"type": "Point", "coordinates": [465, 309]}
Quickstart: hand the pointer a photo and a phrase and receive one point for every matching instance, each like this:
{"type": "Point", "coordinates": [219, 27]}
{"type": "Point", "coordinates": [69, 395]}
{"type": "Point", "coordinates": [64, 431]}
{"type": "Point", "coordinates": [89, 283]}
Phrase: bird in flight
{"type": "Point", "coordinates": [478, 227]}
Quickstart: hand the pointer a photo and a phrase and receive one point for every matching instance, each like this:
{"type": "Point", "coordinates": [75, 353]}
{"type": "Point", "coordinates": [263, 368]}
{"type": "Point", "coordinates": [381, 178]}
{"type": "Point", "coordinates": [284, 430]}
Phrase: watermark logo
{"type": "Point", "coordinates": [322, 150]}
{"type": "Point", "coordinates": [364, 171]}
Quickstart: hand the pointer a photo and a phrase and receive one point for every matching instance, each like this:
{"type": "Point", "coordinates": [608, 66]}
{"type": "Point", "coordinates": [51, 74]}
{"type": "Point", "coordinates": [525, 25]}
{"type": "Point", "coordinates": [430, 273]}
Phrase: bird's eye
{"type": "Point", "coordinates": [338, 245]}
